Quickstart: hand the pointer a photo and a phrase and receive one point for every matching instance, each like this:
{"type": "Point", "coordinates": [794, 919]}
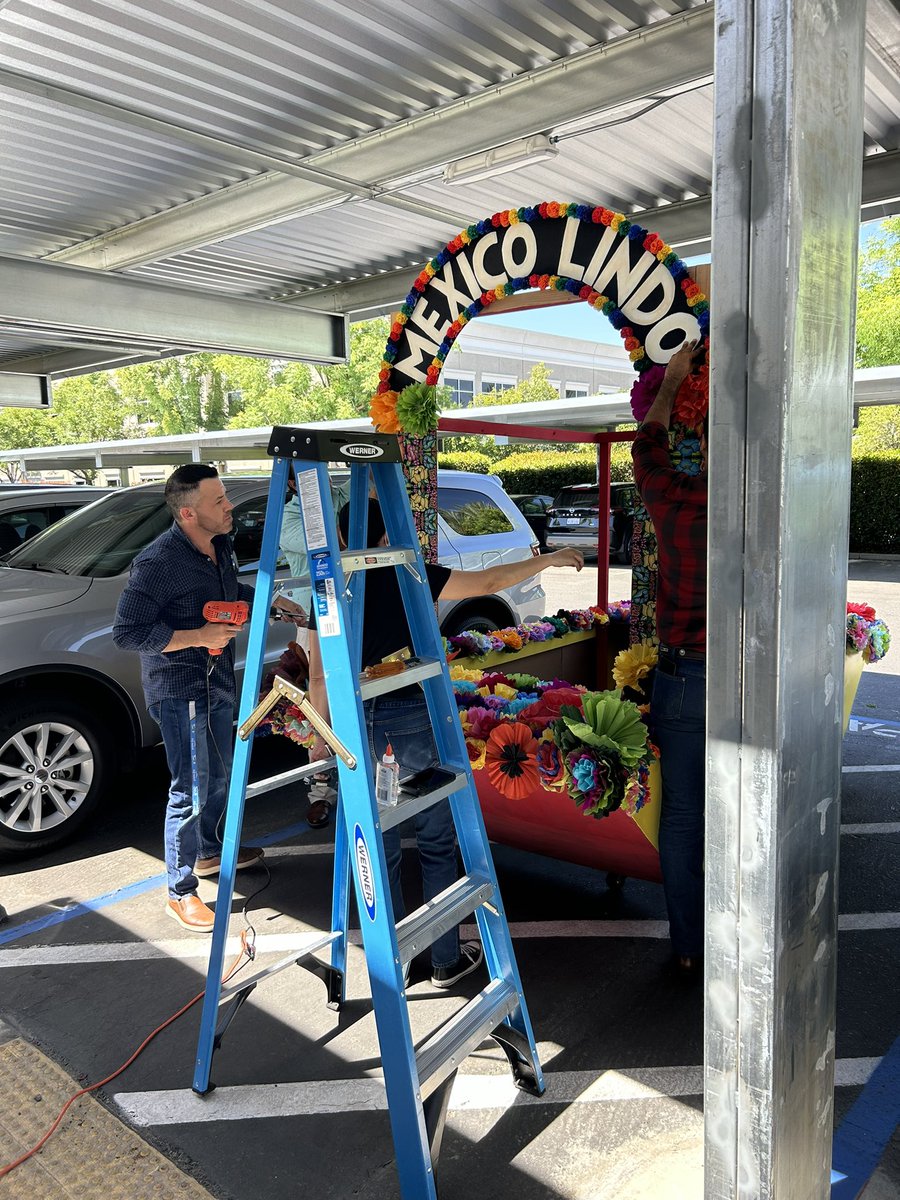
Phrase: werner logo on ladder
{"type": "Point", "coordinates": [417, 1079]}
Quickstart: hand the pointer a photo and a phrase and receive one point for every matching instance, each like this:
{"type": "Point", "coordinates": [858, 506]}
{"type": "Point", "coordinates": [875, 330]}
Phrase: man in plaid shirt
{"type": "Point", "coordinates": [677, 504]}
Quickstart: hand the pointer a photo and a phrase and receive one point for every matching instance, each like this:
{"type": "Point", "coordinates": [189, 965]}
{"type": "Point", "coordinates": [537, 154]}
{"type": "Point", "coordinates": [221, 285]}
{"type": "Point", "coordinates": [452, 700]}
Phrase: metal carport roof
{"type": "Point", "coordinates": [254, 151]}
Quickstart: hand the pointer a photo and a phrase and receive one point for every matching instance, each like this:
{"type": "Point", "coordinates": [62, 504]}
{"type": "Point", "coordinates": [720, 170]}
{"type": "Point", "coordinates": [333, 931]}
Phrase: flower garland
{"type": "Point", "coordinates": [528, 732]}
{"type": "Point", "coordinates": [419, 407]}
{"type": "Point", "coordinates": [866, 634]}
{"type": "Point", "coordinates": [472, 644]}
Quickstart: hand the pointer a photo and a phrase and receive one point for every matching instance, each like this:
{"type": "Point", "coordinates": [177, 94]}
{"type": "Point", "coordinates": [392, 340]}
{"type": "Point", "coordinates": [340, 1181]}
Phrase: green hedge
{"type": "Point", "coordinates": [875, 503]}
{"type": "Point", "coordinates": [543, 473]}
{"type": "Point", "coordinates": [466, 460]}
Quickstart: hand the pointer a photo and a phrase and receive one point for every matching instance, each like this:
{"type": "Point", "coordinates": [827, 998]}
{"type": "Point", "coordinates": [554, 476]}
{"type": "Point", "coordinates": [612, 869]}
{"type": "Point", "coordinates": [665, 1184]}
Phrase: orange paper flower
{"type": "Point", "coordinates": [510, 760]}
{"type": "Point", "coordinates": [383, 411]}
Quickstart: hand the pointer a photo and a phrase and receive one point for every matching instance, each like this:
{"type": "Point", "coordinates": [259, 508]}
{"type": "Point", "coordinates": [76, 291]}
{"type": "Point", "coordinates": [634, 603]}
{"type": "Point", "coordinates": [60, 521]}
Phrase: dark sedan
{"type": "Point", "coordinates": [534, 509]}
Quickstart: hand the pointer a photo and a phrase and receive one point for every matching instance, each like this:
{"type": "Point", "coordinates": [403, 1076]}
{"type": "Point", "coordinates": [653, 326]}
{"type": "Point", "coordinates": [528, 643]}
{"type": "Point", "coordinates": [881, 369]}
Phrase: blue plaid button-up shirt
{"type": "Point", "coordinates": [170, 582]}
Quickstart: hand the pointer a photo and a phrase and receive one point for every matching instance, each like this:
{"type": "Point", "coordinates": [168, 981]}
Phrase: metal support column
{"type": "Point", "coordinates": [789, 81]}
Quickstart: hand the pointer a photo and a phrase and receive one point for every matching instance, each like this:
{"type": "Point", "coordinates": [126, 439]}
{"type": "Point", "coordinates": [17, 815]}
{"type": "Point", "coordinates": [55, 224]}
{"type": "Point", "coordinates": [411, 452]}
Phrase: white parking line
{"type": "Point", "coordinates": [470, 1091]}
{"type": "Point", "coordinates": [284, 943]}
{"type": "Point", "coordinates": [873, 827]}
{"type": "Point", "coordinates": [880, 767]}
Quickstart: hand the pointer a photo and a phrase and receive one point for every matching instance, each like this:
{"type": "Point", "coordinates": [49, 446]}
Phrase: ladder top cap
{"type": "Point", "coordinates": [333, 445]}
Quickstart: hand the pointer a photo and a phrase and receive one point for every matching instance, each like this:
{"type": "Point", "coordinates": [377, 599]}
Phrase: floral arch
{"type": "Point", "coordinates": [627, 273]}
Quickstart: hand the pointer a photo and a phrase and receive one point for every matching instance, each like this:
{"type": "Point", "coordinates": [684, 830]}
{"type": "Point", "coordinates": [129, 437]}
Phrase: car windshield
{"type": "Point", "coordinates": [99, 540]}
{"type": "Point", "coordinates": [570, 498]}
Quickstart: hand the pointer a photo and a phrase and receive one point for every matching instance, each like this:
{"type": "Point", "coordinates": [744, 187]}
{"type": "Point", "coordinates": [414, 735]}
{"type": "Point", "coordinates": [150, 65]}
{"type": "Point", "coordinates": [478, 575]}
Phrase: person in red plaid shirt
{"type": "Point", "coordinates": [677, 504]}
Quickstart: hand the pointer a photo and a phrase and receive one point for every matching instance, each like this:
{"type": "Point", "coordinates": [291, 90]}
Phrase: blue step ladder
{"type": "Point", "coordinates": [417, 1079]}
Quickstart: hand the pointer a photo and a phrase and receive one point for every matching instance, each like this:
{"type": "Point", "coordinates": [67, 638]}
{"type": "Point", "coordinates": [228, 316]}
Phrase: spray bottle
{"type": "Point", "coordinates": [387, 780]}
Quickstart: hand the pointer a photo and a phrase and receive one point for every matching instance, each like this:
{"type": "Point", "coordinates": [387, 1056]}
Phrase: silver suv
{"type": "Point", "coordinates": [72, 710]}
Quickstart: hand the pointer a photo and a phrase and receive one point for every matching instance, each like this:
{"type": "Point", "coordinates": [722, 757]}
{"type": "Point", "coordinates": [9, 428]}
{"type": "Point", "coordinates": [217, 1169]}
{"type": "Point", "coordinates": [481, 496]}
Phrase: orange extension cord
{"type": "Point", "coordinates": [246, 950]}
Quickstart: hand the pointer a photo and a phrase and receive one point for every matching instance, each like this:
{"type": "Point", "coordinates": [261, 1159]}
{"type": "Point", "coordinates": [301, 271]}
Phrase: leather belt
{"type": "Point", "coordinates": [679, 652]}
{"type": "Point", "coordinates": [669, 660]}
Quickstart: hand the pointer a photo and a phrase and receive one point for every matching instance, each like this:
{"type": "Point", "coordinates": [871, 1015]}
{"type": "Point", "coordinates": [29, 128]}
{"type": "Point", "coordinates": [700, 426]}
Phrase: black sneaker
{"type": "Point", "coordinates": [470, 956]}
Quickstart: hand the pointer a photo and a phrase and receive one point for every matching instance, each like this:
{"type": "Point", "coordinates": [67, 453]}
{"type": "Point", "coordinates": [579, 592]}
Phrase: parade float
{"type": "Point", "coordinates": [555, 711]}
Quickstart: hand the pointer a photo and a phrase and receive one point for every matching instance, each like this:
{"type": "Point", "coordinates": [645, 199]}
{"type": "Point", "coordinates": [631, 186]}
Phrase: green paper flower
{"type": "Point", "coordinates": [610, 723]}
{"type": "Point", "coordinates": [417, 409]}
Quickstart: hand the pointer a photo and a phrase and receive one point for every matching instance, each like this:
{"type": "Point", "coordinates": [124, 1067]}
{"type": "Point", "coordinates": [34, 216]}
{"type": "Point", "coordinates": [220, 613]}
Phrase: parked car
{"type": "Point", "coordinates": [72, 710]}
{"type": "Point", "coordinates": [28, 509]}
{"type": "Point", "coordinates": [534, 509]}
{"type": "Point", "coordinates": [573, 519]}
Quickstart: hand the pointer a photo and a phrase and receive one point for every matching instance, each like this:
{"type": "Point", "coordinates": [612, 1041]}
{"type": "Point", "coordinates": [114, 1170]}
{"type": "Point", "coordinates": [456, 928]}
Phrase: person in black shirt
{"type": "Point", "coordinates": [402, 719]}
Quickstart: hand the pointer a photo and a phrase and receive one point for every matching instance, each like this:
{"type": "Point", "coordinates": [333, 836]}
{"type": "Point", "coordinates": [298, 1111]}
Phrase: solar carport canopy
{"type": "Point", "coordinates": [291, 162]}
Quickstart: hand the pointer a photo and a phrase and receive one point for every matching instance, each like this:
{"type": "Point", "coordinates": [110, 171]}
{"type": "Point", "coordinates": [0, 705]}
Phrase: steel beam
{"type": "Point", "coordinates": [24, 391]}
{"type": "Point", "coordinates": [40, 298]}
{"type": "Point", "coordinates": [672, 53]}
{"type": "Point", "coordinates": [785, 230]}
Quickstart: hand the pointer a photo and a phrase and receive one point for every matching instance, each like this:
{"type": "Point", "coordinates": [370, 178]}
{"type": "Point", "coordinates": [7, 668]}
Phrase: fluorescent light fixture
{"type": "Point", "coordinates": [519, 153]}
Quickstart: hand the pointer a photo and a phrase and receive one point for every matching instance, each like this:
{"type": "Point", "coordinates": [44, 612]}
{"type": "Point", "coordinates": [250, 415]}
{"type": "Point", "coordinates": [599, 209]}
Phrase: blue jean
{"type": "Point", "coordinates": [406, 725]}
{"type": "Point", "coordinates": [190, 835]}
{"type": "Point", "coordinates": [678, 727]}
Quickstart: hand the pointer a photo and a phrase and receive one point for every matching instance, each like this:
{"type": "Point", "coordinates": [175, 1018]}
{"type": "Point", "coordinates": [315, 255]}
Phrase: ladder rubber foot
{"type": "Point", "coordinates": [210, 1087]}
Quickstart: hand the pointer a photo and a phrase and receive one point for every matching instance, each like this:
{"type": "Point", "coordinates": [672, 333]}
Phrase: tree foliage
{"type": "Point", "coordinates": [878, 333]}
{"type": "Point", "coordinates": [878, 298]}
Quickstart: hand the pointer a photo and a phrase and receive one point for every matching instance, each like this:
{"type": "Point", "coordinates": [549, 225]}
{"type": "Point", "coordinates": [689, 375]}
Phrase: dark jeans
{"type": "Point", "coordinates": [678, 727]}
{"type": "Point", "coordinates": [191, 834]}
{"type": "Point", "coordinates": [406, 725]}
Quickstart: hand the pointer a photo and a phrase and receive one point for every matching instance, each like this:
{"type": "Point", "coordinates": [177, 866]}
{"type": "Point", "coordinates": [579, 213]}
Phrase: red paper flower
{"type": "Point", "coordinates": [510, 760]}
{"type": "Point", "coordinates": [539, 715]}
{"type": "Point", "coordinates": [866, 611]}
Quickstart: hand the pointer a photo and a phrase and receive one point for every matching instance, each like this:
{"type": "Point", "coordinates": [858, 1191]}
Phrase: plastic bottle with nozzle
{"type": "Point", "coordinates": [387, 779]}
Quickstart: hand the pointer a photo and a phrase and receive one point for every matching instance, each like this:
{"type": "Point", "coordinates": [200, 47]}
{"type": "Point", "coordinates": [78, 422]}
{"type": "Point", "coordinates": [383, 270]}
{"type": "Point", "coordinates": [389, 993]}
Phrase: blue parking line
{"type": "Point", "coordinates": [127, 893]}
{"type": "Point", "coordinates": [867, 1128]}
{"type": "Point", "coordinates": [871, 719]}
{"type": "Point", "coordinates": [80, 910]}
{"type": "Point", "coordinates": [279, 835]}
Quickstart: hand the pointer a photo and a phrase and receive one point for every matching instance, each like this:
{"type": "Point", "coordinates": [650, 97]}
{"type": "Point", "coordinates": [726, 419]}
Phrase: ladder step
{"type": "Point", "coordinates": [419, 669]}
{"type": "Point", "coordinates": [435, 917]}
{"type": "Point", "coordinates": [377, 556]}
{"type": "Point", "coordinates": [445, 1050]}
{"type": "Point", "coordinates": [277, 781]}
{"type": "Point", "coordinates": [397, 813]}
{"type": "Point", "coordinates": [318, 941]}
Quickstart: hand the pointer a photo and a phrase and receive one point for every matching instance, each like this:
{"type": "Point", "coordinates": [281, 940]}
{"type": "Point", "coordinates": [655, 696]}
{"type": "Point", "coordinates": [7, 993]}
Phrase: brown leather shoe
{"type": "Point", "coordinates": [248, 856]}
{"type": "Point", "coordinates": [192, 913]}
{"type": "Point", "coordinates": [318, 814]}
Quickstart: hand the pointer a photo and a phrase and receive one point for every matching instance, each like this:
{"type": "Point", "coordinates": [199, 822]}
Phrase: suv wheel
{"type": "Point", "coordinates": [54, 761]}
{"type": "Point", "coordinates": [625, 550]}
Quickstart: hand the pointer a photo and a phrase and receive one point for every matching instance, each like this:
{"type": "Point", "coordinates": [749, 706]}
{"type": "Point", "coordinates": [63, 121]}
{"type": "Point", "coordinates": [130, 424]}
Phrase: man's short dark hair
{"type": "Point", "coordinates": [375, 530]}
{"type": "Point", "coordinates": [183, 483]}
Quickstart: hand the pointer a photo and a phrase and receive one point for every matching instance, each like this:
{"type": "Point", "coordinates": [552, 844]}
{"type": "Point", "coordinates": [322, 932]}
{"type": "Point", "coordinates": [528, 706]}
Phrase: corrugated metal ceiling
{"type": "Point", "coordinates": [291, 79]}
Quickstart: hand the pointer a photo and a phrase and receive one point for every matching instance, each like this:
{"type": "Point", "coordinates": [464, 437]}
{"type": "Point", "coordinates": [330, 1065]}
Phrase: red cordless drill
{"type": "Point", "coordinates": [225, 612]}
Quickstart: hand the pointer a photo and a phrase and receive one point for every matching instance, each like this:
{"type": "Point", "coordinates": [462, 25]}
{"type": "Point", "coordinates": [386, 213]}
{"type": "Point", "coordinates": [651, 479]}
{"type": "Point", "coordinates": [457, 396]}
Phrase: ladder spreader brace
{"type": "Point", "coordinates": [418, 1079]}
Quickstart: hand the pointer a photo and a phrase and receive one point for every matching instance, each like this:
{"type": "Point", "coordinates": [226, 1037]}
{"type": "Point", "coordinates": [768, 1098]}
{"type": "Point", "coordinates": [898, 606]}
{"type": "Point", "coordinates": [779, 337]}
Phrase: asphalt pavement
{"type": "Point", "coordinates": [90, 964]}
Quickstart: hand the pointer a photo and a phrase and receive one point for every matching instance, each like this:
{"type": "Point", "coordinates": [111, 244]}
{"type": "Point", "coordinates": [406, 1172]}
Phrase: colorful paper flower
{"type": "Point", "coordinates": [879, 642]}
{"type": "Point", "coordinates": [633, 665]}
{"type": "Point", "coordinates": [866, 611]}
{"type": "Point", "coordinates": [692, 401]}
{"type": "Point", "coordinates": [644, 391]}
{"type": "Point", "coordinates": [383, 412]}
{"type": "Point", "coordinates": [417, 409]}
{"type": "Point", "coordinates": [476, 748]}
{"type": "Point", "coordinates": [549, 762]}
{"type": "Point", "coordinates": [482, 722]}
{"type": "Point", "coordinates": [510, 760]}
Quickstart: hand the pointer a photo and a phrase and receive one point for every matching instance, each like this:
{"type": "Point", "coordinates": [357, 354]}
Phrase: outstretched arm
{"type": "Point", "coordinates": [463, 584]}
